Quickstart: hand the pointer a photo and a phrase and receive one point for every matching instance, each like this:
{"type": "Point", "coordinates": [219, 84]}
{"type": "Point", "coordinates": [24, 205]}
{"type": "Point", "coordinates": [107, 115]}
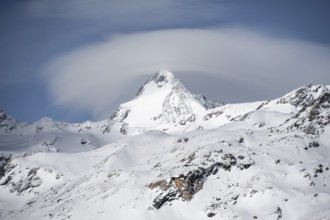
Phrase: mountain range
{"type": "Point", "coordinates": [172, 154]}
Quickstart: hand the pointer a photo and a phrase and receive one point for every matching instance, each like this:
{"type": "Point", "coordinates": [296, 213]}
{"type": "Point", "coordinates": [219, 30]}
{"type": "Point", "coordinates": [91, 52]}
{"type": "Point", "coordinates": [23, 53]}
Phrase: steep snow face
{"type": "Point", "coordinates": [162, 100]}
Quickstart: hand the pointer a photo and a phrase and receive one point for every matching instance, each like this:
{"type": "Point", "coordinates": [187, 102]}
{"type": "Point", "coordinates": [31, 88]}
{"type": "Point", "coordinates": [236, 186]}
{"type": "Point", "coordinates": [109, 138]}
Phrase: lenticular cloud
{"type": "Point", "coordinates": [92, 77]}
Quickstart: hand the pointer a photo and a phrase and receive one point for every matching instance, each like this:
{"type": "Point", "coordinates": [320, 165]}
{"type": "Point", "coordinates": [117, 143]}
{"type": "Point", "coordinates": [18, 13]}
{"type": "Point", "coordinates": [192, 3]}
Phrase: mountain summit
{"type": "Point", "coordinates": [163, 99]}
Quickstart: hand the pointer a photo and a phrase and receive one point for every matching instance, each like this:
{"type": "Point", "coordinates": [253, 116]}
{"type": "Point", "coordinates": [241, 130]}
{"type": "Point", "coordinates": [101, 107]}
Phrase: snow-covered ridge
{"type": "Point", "coordinates": [163, 103]}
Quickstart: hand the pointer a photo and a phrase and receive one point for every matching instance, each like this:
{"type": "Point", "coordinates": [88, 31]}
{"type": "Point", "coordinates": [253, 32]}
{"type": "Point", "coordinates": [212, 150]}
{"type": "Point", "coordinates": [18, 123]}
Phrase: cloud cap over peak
{"type": "Point", "coordinates": [92, 77]}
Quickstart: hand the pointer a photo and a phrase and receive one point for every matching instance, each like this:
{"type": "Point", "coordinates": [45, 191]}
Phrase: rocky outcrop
{"type": "Point", "coordinates": [31, 180]}
{"type": "Point", "coordinates": [19, 178]}
{"type": "Point", "coordinates": [4, 163]}
{"type": "Point", "coordinates": [304, 96]}
{"type": "Point", "coordinates": [312, 118]}
{"type": "Point", "coordinates": [185, 186]}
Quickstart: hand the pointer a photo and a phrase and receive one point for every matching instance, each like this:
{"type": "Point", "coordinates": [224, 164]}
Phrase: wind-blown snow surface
{"type": "Point", "coordinates": [171, 154]}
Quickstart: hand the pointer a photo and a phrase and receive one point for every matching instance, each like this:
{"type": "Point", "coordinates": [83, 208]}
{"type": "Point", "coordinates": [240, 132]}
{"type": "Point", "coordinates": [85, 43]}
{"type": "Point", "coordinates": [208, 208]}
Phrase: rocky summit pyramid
{"type": "Point", "coordinates": [172, 154]}
{"type": "Point", "coordinates": [160, 103]}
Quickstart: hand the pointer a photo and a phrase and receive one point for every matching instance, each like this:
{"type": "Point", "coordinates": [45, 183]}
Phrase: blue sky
{"type": "Point", "coordinates": [78, 60]}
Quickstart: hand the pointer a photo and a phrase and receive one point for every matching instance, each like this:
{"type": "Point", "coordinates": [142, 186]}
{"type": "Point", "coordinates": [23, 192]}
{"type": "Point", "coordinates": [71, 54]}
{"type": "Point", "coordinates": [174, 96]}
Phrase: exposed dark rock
{"type": "Point", "coordinates": [160, 200]}
{"type": "Point", "coordinates": [234, 198]}
{"type": "Point", "coordinates": [24, 183]}
{"type": "Point", "coordinates": [313, 144]}
{"type": "Point", "coordinates": [212, 114]}
{"type": "Point", "coordinates": [253, 191]}
{"type": "Point", "coordinates": [4, 163]}
{"type": "Point", "coordinates": [107, 129]}
{"type": "Point", "coordinates": [39, 128]}
{"type": "Point", "coordinates": [30, 202]}
{"type": "Point", "coordinates": [207, 104]}
{"type": "Point", "coordinates": [185, 186]}
{"type": "Point", "coordinates": [240, 157]}
{"type": "Point", "coordinates": [309, 118]}
{"type": "Point", "coordinates": [262, 124]}
{"type": "Point", "coordinates": [33, 171]}
{"type": "Point", "coordinates": [4, 183]}
{"type": "Point", "coordinates": [123, 130]}
{"type": "Point", "coordinates": [191, 118]}
{"type": "Point", "coordinates": [182, 140]}
{"type": "Point", "coordinates": [210, 214]}
{"type": "Point", "coordinates": [301, 98]}
{"type": "Point", "coordinates": [120, 115]}
{"type": "Point", "coordinates": [318, 170]}
{"type": "Point", "coordinates": [31, 181]}
{"type": "Point", "coordinates": [189, 159]}
{"type": "Point", "coordinates": [229, 160]}
{"type": "Point", "coordinates": [307, 175]}
{"type": "Point", "coordinates": [157, 117]}
{"type": "Point", "coordinates": [3, 115]}
{"type": "Point", "coordinates": [310, 129]}
{"type": "Point", "coordinates": [240, 140]}
{"type": "Point", "coordinates": [50, 142]}
{"type": "Point", "coordinates": [278, 211]}
{"type": "Point", "coordinates": [7, 123]}
{"type": "Point", "coordinates": [114, 115]}
{"type": "Point", "coordinates": [244, 166]}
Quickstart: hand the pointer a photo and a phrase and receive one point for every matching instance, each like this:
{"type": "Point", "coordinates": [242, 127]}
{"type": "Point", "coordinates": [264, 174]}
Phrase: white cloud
{"type": "Point", "coordinates": [91, 78]}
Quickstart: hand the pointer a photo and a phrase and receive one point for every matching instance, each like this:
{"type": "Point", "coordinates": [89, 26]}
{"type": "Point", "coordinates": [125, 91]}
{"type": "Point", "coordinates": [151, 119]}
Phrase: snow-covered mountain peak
{"type": "Point", "coordinates": [159, 80]}
{"type": "Point", "coordinates": [7, 122]}
{"type": "Point", "coordinates": [4, 115]}
{"type": "Point", "coordinates": [163, 99]}
{"type": "Point", "coordinates": [164, 77]}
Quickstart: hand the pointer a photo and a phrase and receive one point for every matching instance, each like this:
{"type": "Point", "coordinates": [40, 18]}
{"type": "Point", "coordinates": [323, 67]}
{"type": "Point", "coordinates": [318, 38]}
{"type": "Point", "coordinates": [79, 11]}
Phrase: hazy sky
{"type": "Point", "coordinates": [76, 60]}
